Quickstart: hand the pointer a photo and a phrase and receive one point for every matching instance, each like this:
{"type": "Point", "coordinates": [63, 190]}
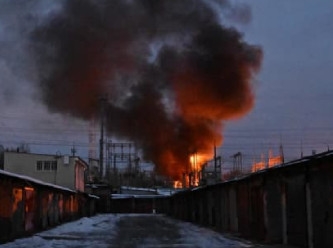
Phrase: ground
{"type": "Point", "coordinates": [129, 231]}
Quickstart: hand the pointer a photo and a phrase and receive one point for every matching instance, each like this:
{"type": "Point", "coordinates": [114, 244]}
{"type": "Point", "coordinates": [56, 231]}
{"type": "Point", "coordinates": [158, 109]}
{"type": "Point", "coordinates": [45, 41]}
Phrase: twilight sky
{"type": "Point", "coordinates": [293, 88]}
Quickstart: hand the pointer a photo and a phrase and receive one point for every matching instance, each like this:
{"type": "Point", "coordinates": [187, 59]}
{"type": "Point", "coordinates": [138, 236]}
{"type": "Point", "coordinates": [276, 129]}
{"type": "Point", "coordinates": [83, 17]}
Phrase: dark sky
{"type": "Point", "coordinates": [293, 89]}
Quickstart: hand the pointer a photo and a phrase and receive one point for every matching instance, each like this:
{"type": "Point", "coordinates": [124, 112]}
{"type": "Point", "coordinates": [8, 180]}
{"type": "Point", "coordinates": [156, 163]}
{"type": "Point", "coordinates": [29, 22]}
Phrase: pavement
{"type": "Point", "coordinates": [132, 231]}
{"type": "Point", "coordinates": [160, 231]}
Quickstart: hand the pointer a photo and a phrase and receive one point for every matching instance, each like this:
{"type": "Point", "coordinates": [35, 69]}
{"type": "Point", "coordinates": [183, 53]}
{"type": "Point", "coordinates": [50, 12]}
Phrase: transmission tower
{"type": "Point", "coordinates": [92, 139]}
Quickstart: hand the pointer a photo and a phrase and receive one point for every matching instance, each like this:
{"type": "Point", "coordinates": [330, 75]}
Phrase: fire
{"type": "Point", "coordinates": [270, 162]}
{"type": "Point", "coordinates": [194, 162]}
{"type": "Point", "coordinates": [274, 160]}
{"type": "Point", "coordinates": [177, 184]}
{"type": "Point", "coordinates": [197, 160]}
{"type": "Point", "coordinates": [258, 166]}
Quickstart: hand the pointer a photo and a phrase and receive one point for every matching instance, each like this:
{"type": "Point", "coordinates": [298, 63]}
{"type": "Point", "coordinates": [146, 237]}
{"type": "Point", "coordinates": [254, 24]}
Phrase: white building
{"type": "Point", "coordinates": [63, 170]}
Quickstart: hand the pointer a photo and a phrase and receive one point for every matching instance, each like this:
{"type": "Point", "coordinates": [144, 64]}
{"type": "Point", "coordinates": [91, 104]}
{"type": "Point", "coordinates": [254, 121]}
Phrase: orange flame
{"type": "Point", "coordinates": [177, 184]}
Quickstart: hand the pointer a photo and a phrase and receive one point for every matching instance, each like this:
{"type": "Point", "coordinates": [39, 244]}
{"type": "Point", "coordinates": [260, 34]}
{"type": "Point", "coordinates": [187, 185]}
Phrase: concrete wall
{"type": "Point", "coordinates": [69, 175]}
{"type": "Point", "coordinates": [25, 164]}
{"type": "Point", "coordinates": [66, 172]}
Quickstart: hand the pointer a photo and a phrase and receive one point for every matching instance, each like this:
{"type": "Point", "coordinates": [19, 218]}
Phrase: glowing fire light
{"type": "Point", "coordinates": [177, 184]}
{"type": "Point", "coordinates": [271, 162]}
{"type": "Point", "coordinates": [197, 160]}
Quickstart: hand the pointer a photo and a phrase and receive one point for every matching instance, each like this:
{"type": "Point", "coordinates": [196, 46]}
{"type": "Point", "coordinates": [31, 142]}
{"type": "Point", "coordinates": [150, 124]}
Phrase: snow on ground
{"type": "Point", "coordinates": [80, 233]}
{"type": "Point", "coordinates": [203, 237]}
{"type": "Point", "coordinates": [102, 231]}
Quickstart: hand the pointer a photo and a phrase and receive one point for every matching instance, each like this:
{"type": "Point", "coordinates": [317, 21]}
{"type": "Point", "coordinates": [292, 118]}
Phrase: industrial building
{"type": "Point", "coordinates": [64, 170]}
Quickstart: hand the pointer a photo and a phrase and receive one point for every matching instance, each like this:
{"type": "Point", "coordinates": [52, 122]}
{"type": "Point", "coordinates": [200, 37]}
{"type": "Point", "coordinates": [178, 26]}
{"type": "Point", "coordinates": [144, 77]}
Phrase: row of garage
{"type": "Point", "coordinates": [28, 205]}
{"type": "Point", "coordinates": [289, 204]}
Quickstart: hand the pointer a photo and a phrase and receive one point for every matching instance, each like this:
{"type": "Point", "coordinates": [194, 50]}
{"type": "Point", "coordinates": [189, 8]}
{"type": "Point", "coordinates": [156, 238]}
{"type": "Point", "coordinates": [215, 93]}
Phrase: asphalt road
{"type": "Point", "coordinates": [159, 231]}
{"type": "Point", "coordinates": [131, 231]}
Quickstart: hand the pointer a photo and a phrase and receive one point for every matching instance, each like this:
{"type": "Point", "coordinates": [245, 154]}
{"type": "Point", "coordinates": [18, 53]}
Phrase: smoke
{"type": "Point", "coordinates": [171, 73]}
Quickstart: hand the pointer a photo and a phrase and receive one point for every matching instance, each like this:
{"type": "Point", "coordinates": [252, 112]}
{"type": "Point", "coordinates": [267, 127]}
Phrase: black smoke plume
{"type": "Point", "coordinates": [171, 72]}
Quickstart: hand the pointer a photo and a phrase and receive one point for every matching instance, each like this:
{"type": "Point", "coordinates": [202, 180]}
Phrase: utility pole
{"type": "Point", "coordinates": [281, 154]}
{"type": "Point", "coordinates": [101, 140]}
{"type": "Point", "coordinates": [215, 162]}
{"type": "Point", "coordinates": [73, 150]}
{"type": "Point", "coordinates": [238, 162]}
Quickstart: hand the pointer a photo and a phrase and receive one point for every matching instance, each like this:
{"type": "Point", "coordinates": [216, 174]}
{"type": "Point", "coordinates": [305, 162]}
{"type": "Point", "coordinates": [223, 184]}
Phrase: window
{"type": "Point", "coordinates": [39, 165]}
{"type": "Point", "coordinates": [47, 165]}
{"type": "Point", "coordinates": [54, 165]}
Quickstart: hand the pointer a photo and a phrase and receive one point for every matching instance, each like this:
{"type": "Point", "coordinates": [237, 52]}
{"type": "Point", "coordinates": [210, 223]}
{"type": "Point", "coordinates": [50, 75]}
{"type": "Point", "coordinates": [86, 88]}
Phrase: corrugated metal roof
{"type": "Point", "coordinates": [33, 180]}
